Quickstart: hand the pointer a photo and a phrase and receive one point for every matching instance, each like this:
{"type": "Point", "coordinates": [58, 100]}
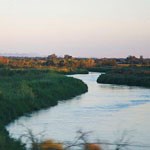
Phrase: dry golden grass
{"type": "Point", "coordinates": [123, 65]}
{"type": "Point", "coordinates": [92, 147]}
{"type": "Point", "coordinates": [50, 144]}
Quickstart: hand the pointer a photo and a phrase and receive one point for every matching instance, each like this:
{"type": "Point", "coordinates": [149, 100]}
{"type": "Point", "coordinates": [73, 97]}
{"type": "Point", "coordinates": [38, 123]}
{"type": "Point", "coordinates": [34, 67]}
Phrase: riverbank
{"type": "Point", "coordinates": [25, 91]}
{"type": "Point", "coordinates": [132, 76]}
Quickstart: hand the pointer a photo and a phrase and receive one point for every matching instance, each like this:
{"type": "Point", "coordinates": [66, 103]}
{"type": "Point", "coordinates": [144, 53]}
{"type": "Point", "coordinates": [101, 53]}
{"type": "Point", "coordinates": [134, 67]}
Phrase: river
{"type": "Point", "coordinates": [107, 110]}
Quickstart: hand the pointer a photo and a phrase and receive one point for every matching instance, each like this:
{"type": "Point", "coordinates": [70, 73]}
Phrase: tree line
{"type": "Point", "coordinates": [70, 63]}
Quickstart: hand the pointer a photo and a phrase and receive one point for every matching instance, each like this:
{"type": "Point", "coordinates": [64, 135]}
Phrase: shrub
{"type": "Point", "coordinates": [50, 145]}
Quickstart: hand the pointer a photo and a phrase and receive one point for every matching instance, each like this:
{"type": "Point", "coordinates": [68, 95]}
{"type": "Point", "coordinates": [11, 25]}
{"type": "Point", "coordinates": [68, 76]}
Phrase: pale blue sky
{"type": "Point", "coordinates": [90, 28]}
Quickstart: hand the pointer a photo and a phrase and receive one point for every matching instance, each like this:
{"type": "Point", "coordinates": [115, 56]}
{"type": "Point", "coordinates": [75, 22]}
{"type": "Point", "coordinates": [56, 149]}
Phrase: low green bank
{"type": "Point", "coordinates": [24, 91]}
{"type": "Point", "coordinates": [101, 69]}
{"type": "Point", "coordinates": [133, 76]}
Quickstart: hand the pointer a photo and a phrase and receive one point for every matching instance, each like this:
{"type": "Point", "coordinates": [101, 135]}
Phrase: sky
{"type": "Point", "coordinates": [81, 28]}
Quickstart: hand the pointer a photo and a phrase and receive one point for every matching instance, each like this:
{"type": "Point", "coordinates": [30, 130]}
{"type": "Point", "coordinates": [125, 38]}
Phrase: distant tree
{"type": "Point", "coordinates": [108, 62]}
{"type": "Point", "coordinates": [132, 60]}
{"type": "Point", "coordinates": [68, 57]}
{"type": "Point", "coordinates": [4, 60]}
{"type": "Point", "coordinates": [52, 56]}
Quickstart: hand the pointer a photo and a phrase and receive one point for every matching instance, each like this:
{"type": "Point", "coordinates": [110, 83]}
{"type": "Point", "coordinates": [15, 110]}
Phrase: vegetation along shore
{"type": "Point", "coordinates": [27, 90]}
{"type": "Point", "coordinates": [132, 76]}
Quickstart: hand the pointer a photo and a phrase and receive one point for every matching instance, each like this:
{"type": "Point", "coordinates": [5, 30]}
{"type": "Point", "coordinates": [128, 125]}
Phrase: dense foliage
{"type": "Point", "coordinates": [24, 91]}
{"type": "Point", "coordinates": [101, 69]}
{"type": "Point", "coordinates": [133, 76]}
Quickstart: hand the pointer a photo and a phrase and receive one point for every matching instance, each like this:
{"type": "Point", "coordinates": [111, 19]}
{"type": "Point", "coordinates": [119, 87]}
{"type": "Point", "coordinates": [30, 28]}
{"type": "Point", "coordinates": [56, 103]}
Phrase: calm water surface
{"type": "Point", "coordinates": [106, 110]}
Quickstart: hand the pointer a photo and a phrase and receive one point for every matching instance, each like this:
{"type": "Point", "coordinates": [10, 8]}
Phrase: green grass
{"type": "Point", "coordinates": [132, 76]}
{"type": "Point", "coordinates": [24, 91]}
{"type": "Point", "coordinates": [101, 69]}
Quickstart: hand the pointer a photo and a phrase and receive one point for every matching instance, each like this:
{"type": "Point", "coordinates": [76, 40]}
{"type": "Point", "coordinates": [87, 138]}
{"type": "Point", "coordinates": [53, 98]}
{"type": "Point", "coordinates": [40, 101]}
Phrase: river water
{"type": "Point", "coordinates": [108, 111]}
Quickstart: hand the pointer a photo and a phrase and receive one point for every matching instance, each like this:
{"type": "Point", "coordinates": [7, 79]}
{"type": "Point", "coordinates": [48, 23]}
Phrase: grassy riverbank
{"type": "Point", "coordinates": [24, 91]}
{"type": "Point", "coordinates": [101, 69]}
{"type": "Point", "coordinates": [132, 76]}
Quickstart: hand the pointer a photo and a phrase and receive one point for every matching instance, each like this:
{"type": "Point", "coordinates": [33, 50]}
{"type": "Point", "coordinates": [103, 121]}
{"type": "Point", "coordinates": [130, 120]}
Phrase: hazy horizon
{"type": "Point", "coordinates": [81, 28]}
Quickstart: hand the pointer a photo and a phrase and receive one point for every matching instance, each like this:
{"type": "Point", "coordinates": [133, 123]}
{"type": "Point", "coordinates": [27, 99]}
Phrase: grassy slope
{"type": "Point", "coordinates": [24, 91]}
{"type": "Point", "coordinates": [132, 76]}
